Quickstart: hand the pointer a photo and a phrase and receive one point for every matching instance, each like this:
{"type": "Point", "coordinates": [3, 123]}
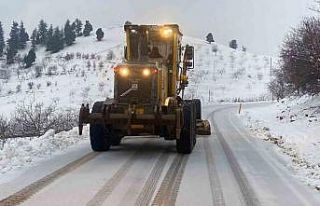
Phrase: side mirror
{"type": "Point", "coordinates": [189, 57]}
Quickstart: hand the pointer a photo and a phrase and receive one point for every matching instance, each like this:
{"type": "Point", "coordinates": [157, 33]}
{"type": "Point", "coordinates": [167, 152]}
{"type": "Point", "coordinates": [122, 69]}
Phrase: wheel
{"type": "Point", "coordinates": [116, 138]}
{"type": "Point", "coordinates": [197, 103]}
{"type": "Point", "coordinates": [100, 135]}
{"type": "Point", "coordinates": [187, 138]}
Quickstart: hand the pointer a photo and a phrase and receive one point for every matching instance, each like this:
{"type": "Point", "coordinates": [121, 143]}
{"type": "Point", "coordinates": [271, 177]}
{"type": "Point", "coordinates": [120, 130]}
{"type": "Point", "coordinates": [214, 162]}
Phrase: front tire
{"type": "Point", "coordinates": [116, 137]}
{"type": "Point", "coordinates": [187, 138]}
{"type": "Point", "coordinates": [100, 136]}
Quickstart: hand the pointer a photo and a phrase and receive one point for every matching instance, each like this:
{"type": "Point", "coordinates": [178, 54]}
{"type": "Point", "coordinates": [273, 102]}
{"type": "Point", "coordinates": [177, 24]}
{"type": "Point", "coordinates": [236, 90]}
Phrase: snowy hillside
{"type": "Point", "coordinates": [80, 73]}
{"type": "Point", "coordinates": [223, 74]}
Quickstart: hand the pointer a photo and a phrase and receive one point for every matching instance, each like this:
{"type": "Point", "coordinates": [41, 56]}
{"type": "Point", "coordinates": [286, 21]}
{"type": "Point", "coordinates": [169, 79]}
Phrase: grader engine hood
{"type": "Point", "coordinates": [135, 83]}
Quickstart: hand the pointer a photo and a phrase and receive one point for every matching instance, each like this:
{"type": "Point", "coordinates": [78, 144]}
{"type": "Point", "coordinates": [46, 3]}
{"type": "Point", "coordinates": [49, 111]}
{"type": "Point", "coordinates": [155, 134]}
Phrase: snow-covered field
{"type": "Point", "coordinates": [83, 73]}
{"type": "Point", "coordinates": [293, 125]}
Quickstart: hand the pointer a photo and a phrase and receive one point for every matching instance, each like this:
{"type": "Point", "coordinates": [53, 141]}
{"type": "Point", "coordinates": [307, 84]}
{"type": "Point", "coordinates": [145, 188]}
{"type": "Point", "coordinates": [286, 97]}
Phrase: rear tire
{"type": "Point", "coordinates": [197, 103]}
{"type": "Point", "coordinates": [100, 135]}
{"type": "Point", "coordinates": [187, 138]}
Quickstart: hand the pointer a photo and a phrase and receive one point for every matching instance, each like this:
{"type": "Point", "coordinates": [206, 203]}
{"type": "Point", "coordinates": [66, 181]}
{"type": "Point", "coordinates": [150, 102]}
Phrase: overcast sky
{"type": "Point", "coordinates": [260, 25]}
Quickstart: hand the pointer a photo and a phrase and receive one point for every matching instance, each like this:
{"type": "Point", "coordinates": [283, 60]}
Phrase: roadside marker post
{"type": "Point", "coordinates": [240, 108]}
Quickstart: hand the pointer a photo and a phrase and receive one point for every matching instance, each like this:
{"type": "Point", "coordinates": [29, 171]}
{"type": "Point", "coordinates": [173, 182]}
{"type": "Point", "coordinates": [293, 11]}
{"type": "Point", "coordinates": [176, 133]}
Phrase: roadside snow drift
{"type": "Point", "coordinates": [294, 126]}
{"type": "Point", "coordinates": [19, 153]}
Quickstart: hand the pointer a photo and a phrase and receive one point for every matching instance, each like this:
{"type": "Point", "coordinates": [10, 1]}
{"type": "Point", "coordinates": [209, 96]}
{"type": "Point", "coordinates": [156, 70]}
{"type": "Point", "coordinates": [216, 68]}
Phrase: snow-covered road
{"type": "Point", "coordinates": [227, 168]}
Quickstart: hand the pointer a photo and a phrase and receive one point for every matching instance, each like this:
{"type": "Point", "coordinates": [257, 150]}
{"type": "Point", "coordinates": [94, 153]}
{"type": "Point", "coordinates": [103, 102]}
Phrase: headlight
{"type": "Point", "coordinates": [166, 32]}
{"type": "Point", "coordinates": [146, 72]}
{"type": "Point", "coordinates": [124, 72]}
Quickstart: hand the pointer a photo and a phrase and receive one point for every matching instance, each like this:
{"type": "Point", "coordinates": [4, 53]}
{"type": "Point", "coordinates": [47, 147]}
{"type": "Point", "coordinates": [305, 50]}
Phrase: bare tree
{"type": "Point", "coordinates": [316, 6]}
{"type": "Point", "coordinates": [300, 56]}
{"type": "Point", "coordinates": [277, 86]}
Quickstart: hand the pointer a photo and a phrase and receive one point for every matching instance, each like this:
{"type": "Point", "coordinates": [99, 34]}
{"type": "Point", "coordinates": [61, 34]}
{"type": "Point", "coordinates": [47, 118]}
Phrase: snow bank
{"type": "Point", "coordinates": [294, 126]}
{"type": "Point", "coordinates": [25, 152]}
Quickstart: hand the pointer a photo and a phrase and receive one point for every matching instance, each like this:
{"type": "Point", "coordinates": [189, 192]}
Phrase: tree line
{"type": "Point", "coordinates": [233, 44]}
{"type": "Point", "coordinates": [52, 38]}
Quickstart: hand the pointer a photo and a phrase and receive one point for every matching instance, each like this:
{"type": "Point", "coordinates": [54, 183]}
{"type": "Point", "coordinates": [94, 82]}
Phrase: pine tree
{"type": "Point", "coordinates": [50, 42]}
{"type": "Point", "coordinates": [87, 29]}
{"type": "Point", "coordinates": [69, 33]}
{"type": "Point", "coordinates": [42, 33]}
{"type": "Point", "coordinates": [73, 27]}
{"type": "Point", "coordinates": [23, 36]}
{"type": "Point", "coordinates": [34, 38]}
{"type": "Point", "coordinates": [77, 24]}
{"type": "Point", "coordinates": [209, 38]}
{"type": "Point", "coordinates": [2, 43]}
{"type": "Point", "coordinates": [57, 40]}
{"type": "Point", "coordinates": [100, 34]}
{"type": "Point", "coordinates": [233, 44]}
{"type": "Point", "coordinates": [61, 39]}
{"type": "Point", "coordinates": [30, 58]}
{"type": "Point", "coordinates": [13, 43]}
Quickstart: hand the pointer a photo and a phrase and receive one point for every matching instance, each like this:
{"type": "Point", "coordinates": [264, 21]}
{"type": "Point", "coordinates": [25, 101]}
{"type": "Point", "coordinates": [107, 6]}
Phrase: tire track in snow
{"type": "Point", "coordinates": [168, 191]}
{"type": "Point", "coordinates": [106, 190]}
{"type": "Point", "coordinates": [216, 190]}
{"type": "Point", "coordinates": [149, 188]}
{"type": "Point", "coordinates": [25, 193]}
{"type": "Point", "coordinates": [247, 192]}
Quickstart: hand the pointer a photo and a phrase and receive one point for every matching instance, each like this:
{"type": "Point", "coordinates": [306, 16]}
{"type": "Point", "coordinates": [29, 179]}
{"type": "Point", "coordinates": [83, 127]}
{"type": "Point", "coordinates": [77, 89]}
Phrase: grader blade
{"type": "Point", "coordinates": [203, 127]}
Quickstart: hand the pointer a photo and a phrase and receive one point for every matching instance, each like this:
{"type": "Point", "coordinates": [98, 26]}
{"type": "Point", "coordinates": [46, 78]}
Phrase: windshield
{"type": "Point", "coordinates": [150, 46]}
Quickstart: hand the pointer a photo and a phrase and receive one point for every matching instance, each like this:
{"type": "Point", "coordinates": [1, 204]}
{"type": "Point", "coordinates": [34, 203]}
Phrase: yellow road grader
{"type": "Point", "coordinates": [148, 93]}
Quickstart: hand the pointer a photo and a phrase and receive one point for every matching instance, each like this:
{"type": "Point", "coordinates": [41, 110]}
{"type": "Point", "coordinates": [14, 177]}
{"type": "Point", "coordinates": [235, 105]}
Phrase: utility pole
{"type": "Point", "coordinates": [213, 69]}
{"type": "Point", "coordinates": [213, 66]}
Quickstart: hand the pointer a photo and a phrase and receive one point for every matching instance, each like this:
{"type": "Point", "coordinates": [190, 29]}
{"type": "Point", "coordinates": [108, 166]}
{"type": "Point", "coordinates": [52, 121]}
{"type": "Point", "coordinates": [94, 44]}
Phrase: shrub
{"type": "Point", "coordinates": [52, 70]}
{"type": "Point", "coordinates": [30, 85]}
{"type": "Point", "coordinates": [35, 119]}
{"type": "Point", "coordinates": [4, 130]}
{"type": "Point", "coordinates": [101, 65]}
{"type": "Point", "coordinates": [278, 87]}
{"type": "Point", "coordinates": [38, 71]}
{"type": "Point", "coordinates": [18, 88]}
{"type": "Point", "coordinates": [110, 55]}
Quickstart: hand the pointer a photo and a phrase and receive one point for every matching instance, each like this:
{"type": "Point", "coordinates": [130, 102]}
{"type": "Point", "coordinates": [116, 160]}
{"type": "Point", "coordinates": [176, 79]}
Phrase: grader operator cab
{"type": "Point", "coordinates": [148, 93]}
